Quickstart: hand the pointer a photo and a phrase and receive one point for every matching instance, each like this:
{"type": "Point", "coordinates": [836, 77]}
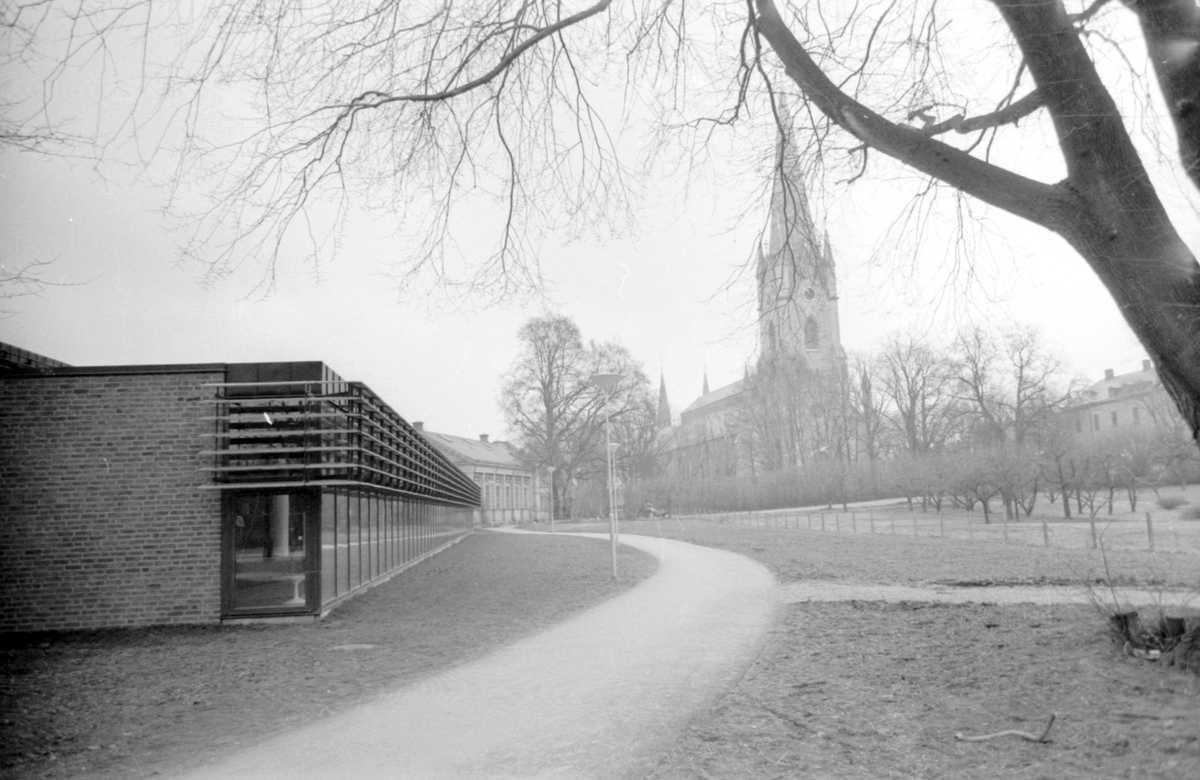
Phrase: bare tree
{"type": "Point", "coordinates": [1059, 464]}
{"type": "Point", "coordinates": [916, 380]}
{"type": "Point", "coordinates": [868, 403]}
{"type": "Point", "coordinates": [1013, 385]}
{"type": "Point", "coordinates": [555, 413]}
{"type": "Point", "coordinates": [388, 101]}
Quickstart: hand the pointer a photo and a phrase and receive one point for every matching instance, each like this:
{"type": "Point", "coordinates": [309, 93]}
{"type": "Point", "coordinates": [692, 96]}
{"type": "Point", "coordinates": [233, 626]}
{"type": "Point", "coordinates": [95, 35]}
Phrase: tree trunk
{"type": "Point", "coordinates": [1107, 209]}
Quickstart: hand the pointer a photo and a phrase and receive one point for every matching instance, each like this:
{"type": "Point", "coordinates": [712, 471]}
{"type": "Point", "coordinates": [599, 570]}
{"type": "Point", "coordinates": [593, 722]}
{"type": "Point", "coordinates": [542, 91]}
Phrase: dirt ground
{"type": "Point", "coordinates": [873, 690]}
{"type": "Point", "coordinates": [855, 689]}
{"type": "Point", "coordinates": [124, 704]}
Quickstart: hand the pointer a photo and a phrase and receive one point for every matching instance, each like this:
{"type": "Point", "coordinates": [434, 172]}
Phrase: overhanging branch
{"type": "Point", "coordinates": [1010, 114]}
{"type": "Point", "coordinates": [992, 184]}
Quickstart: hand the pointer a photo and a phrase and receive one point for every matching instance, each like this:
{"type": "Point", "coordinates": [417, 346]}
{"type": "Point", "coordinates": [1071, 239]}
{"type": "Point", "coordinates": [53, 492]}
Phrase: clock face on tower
{"type": "Point", "coordinates": [808, 294]}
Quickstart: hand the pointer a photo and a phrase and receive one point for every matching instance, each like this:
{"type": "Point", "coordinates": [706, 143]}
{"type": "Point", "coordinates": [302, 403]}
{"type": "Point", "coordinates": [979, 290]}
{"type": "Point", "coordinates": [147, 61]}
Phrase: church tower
{"type": "Point", "coordinates": [662, 415]}
{"type": "Point", "coordinates": [797, 280]}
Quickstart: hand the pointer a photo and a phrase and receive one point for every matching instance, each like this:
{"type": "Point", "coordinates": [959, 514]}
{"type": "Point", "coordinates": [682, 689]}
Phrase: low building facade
{"type": "Point", "coordinates": [1124, 404]}
{"type": "Point", "coordinates": [178, 494]}
{"type": "Point", "coordinates": [510, 490]}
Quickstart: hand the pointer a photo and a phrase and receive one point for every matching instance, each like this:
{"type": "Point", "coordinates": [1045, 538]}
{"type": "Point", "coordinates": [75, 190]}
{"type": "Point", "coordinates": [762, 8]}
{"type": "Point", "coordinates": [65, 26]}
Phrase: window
{"type": "Point", "coordinates": [1114, 419]}
{"type": "Point", "coordinates": [1078, 425]}
{"type": "Point", "coordinates": [1136, 416]}
{"type": "Point", "coordinates": [1096, 421]}
{"type": "Point", "coordinates": [812, 334]}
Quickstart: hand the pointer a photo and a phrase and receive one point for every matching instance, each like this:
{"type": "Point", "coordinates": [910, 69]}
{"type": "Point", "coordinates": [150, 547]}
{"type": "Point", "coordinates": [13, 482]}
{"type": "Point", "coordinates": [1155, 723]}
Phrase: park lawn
{"type": "Point", "coordinates": [839, 690]}
{"type": "Point", "coordinates": [112, 705]}
{"type": "Point", "coordinates": [869, 690]}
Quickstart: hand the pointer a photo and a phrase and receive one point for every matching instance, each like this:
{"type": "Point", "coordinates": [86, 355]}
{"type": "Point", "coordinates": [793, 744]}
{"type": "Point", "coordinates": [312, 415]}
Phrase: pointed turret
{"type": "Point", "coordinates": [662, 417]}
{"type": "Point", "coordinates": [705, 391]}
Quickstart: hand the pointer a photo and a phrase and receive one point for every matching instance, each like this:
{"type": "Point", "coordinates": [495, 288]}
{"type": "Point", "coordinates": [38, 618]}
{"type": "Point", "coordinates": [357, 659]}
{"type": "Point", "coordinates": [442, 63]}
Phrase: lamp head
{"type": "Point", "coordinates": [605, 382]}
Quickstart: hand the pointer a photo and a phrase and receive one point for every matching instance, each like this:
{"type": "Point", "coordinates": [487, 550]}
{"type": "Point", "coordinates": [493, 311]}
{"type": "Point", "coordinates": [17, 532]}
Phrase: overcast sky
{"type": "Point", "coordinates": [665, 293]}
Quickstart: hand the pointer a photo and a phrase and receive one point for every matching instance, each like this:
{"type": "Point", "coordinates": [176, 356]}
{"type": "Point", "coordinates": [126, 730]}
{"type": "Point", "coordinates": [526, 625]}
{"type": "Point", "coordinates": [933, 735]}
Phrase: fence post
{"type": "Point", "coordinates": [872, 523]}
{"type": "Point", "coordinates": [942, 524]}
{"type": "Point", "coordinates": [822, 521]}
{"type": "Point", "coordinates": [1150, 531]}
{"type": "Point", "coordinates": [837, 521]}
{"type": "Point", "coordinates": [1092, 523]}
{"type": "Point", "coordinates": [1045, 533]}
{"type": "Point", "coordinates": [853, 523]}
{"type": "Point", "coordinates": [893, 525]}
{"type": "Point", "coordinates": [1006, 528]}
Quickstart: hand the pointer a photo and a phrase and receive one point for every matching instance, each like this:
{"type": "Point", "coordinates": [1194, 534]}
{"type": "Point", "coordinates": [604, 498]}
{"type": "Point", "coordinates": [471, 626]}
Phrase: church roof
{"type": "Point", "coordinates": [720, 394]}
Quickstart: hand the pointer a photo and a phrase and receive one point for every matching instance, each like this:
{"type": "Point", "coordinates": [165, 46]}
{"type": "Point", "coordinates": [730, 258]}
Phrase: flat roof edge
{"type": "Point", "coordinates": [174, 368]}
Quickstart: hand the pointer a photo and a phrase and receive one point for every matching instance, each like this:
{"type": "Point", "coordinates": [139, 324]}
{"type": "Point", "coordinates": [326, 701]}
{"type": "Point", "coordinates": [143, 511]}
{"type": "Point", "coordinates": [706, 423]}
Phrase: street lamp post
{"type": "Point", "coordinates": [551, 470]}
{"type": "Point", "coordinates": [605, 383]}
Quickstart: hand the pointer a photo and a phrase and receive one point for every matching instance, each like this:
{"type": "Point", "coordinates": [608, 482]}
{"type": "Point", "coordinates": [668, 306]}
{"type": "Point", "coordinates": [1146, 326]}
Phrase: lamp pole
{"type": "Point", "coordinates": [551, 470]}
{"type": "Point", "coordinates": [605, 383]}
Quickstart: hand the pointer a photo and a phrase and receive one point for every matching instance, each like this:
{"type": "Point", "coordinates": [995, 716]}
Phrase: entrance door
{"type": "Point", "coordinates": [267, 567]}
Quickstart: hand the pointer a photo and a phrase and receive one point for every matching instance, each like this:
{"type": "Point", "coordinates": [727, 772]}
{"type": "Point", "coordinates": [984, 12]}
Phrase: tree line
{"type": "Point", "coordinates": [981, 422]}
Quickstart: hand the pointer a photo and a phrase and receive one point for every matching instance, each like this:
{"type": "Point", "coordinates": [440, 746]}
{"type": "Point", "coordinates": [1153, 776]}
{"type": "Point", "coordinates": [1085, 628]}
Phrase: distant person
{"type": "Point", "coordinates": [648, 510]}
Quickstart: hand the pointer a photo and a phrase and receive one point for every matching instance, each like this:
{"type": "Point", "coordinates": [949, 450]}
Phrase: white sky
{"type": "Point", "coordinates": [662, 294]}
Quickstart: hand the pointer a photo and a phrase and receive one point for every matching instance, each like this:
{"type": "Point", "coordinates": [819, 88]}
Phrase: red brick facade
{"type": "Point", "coordinates": [103, 521]}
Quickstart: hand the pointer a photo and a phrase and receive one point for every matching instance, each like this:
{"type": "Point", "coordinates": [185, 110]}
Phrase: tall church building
{"type": "Point", "coordinates": [799, 332]}
{"type": "Point", "coordinates": [797, 279]}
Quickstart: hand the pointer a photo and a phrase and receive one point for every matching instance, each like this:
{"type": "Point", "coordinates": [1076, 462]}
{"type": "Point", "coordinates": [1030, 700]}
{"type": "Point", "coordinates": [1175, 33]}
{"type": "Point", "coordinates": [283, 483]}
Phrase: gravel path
{"type": "Point", "coordinates": [598, 696]}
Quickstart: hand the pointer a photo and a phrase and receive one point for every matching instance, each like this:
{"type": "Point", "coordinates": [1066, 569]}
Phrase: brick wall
{"type": "Point", "coordinates": [102, 519]}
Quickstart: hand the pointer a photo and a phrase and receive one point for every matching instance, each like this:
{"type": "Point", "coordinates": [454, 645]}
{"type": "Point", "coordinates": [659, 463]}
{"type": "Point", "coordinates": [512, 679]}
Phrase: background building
{"type": "Point", "coordinates": [510, 491]}
{"type": "Point", "coordinates": [139, 495]}
{"type": "Point", "coordinates": [1122, 403]}
{"type": "Point", "coordinates": [772, 416]}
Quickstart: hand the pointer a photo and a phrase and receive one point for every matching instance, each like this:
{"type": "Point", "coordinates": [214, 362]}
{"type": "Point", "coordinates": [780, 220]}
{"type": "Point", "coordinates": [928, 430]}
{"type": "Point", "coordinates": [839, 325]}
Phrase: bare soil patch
{"type": "Point", "coordinates": [867, 689]}
{"type": "Point", "coordinates": [144, 703]}
{"type": "Point", "coordinates": [874, 690]}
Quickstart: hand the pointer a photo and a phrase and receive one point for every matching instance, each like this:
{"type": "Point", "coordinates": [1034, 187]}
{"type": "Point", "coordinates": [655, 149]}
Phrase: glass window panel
{"type": "Point", "coordinates": [269, 561]}
{"type": "Point", "coordinates": [375, 537]}
{"type": "Point", "coordinates": [328, 548]}
{"type": "Point", "coordinates": [355, 542]}
{"type": "Point", "coordinates": [343, 527]}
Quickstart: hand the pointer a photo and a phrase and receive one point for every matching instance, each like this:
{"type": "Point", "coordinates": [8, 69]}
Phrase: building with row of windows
{"type": "Point", "coordinates": [511, 491]}
{"type": "Point", "coordinates": [1122, 403]}
{"type": "Point", "coordinates": [203, 493]}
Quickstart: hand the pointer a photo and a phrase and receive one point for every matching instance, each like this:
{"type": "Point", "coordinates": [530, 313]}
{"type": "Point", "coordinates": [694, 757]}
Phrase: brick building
{"type": "Point", "coordinates": [141, 495]}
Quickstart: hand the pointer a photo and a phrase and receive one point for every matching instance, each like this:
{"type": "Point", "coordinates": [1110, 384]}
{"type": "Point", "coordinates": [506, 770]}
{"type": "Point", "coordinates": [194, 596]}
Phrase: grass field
{"type": "Point", "coordinates": [117, 705]}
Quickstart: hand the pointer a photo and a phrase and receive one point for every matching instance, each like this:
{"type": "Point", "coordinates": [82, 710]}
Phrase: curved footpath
{"type": "Point", "coordinates": [594, 697]}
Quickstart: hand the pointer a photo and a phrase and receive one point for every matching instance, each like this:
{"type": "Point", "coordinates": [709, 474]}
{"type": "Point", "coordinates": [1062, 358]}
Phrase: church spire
{"type": "Point", "coordinates": [705, 391]}
{"type": "Point", "coordinates": [662, 417]}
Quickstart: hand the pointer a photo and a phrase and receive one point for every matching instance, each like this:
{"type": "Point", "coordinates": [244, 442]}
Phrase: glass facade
{"type": "Point", "coordinates": [326, 490]}
{"type": "Point", "coordinates": [302, 551]}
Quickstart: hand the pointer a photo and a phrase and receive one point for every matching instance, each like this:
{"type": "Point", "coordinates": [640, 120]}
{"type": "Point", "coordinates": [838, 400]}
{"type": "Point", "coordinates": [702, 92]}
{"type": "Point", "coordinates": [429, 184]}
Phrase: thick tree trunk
{"type": "Point", "coordinates": [1107, 209]}
{"type": "Point", "coordinates": [1172, 32]}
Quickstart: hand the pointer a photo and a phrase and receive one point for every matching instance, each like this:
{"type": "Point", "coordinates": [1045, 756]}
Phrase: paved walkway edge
{"type": "Point", "coordinates": [598, 696]}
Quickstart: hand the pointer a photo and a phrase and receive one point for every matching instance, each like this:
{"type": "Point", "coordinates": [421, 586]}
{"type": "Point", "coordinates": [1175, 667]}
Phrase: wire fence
{"type": "Point", "coordinates": [1143, 533]}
